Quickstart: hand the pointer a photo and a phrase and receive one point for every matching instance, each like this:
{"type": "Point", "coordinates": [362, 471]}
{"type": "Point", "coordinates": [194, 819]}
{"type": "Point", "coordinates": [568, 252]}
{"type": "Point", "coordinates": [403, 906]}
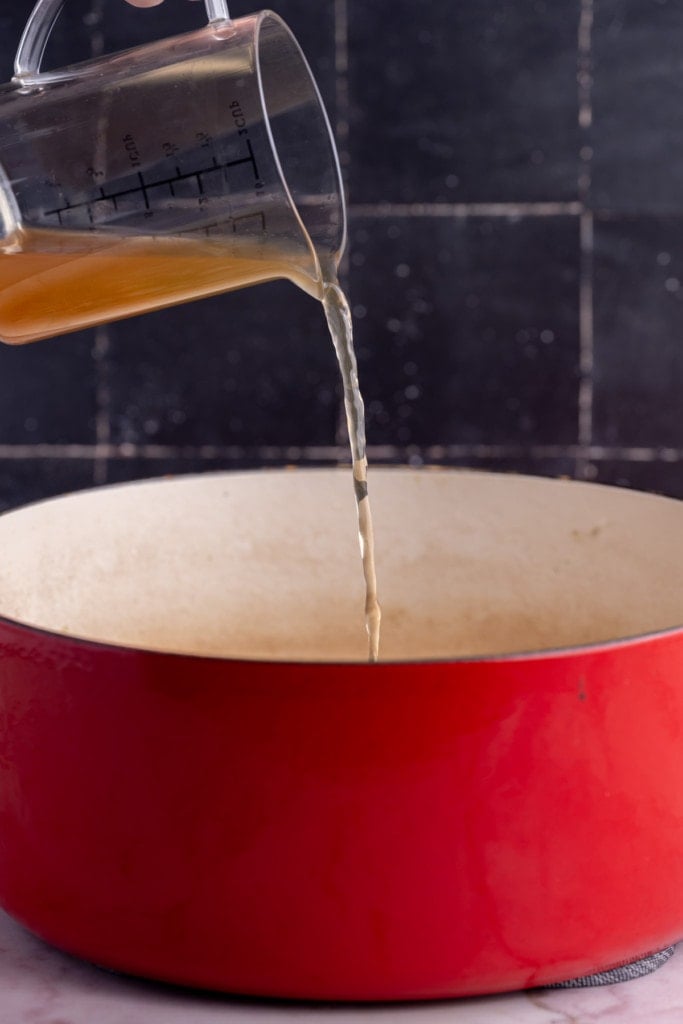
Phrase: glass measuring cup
{"type": "Point", "coordinates": [179, 169]}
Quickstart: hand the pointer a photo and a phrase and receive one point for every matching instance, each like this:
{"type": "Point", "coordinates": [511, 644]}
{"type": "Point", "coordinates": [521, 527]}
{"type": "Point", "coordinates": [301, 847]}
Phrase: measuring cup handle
{"type": "Point", "coordinates": [41, 22]}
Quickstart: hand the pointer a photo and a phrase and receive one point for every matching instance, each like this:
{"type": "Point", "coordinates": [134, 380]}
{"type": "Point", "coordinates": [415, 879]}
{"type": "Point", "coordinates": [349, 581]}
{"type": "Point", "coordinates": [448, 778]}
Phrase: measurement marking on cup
{"type": "Point", "coordinates": [253, 162]}
{"type": "Point", "coordinates": [143, 189]}
{"type": "Point", "coordinates": [63, 210]}
{"type": "Point", "coordinates": [144, 186]}
{"type": "Point", "coordinates": [103, 195]}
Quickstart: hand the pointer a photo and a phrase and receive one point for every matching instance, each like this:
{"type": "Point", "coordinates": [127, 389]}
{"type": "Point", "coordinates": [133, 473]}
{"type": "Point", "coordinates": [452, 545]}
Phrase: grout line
{"type": "Point", "coordinates": [585, 64]}
{"type": "Point", "coordinates": [340, 453]}
{"type": "Point", "coordinates": [600, 453]}
{"type": "Point", "coordinates": [511, 210]}
{"type": "Point", "coordinates": [546, 209]}
{"type": "Point", "coordinates": [586, 336]}
{"type": "Point", "coordinates": [341, 67]}
{"type": "Point", "coordinates": [93, 22]}
{"type": "Point", "coordinates": [586, 234]}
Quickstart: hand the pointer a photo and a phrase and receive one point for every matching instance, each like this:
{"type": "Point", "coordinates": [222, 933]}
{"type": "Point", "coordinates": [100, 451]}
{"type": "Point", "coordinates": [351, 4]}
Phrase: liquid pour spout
{"type": "Point", "coordinates": [217, 10]}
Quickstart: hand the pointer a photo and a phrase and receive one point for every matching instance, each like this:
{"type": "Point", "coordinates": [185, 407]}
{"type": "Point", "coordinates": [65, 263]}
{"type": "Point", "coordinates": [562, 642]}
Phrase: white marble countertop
{"type": "Point", "coordinates": [41, 986]}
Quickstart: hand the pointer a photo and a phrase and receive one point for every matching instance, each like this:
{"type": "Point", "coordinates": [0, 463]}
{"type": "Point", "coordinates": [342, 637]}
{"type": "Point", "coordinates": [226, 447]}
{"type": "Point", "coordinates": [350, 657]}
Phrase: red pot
{"type": "Point", "coordinates": [238, 816]}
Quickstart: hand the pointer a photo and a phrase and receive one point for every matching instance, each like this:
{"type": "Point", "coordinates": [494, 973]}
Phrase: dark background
{"type": "Point", "coordinates": [515, 266]}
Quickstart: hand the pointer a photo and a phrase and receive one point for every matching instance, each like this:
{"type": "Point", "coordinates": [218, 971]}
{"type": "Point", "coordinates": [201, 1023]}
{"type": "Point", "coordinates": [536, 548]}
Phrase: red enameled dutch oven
{"type": "Point", "coordinates": [201, 781]}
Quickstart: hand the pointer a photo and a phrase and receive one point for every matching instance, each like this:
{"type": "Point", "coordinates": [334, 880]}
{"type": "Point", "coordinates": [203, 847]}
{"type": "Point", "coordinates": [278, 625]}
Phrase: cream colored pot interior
{"type": "Point", "coordinates": [266, 564]}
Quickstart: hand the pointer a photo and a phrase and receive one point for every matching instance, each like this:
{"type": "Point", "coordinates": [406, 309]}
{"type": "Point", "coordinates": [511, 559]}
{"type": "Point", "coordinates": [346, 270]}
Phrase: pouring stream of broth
{"type": "Point", "coordinates": [338, 316]}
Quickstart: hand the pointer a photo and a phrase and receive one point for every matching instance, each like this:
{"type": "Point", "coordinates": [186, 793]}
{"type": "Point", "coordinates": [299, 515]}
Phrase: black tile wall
{"type": "Point", "coordinates": [216, 372]}
{"type": "Point", "coordinates": [660, 476]}
{"type": "Point", "coordinates": [636, 137]}
{"type": "Point", "coordinates": [638, 352]}
{"type": "Point", "coordinates": [564, 468]}
{"type": "Point", "coordinates": [472, 330]}
{"type": "Point", "coordinates": [515, 262]}
{"type": "Point", "coordinates": [121, 470]}
{"type": "Point", "coordinates": [48, 392]}
{"type": "Point", "coordinates": [467, 101]}
{"type": "Point", "coordinates": [32, 479]}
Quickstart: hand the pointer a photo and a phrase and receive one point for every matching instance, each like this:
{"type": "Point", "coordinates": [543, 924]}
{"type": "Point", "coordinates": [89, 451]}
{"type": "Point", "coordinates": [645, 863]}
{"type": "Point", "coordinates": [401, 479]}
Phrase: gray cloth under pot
{"type": "Point", "coordinates": [637, 969]}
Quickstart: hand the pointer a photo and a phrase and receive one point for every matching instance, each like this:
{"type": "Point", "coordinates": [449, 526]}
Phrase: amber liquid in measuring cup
{"type": "Point", "coordinates": [56, 282]}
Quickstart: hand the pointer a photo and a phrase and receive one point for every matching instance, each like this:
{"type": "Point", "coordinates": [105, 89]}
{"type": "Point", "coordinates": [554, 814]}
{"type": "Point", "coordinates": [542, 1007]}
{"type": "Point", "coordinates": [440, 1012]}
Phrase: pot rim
{"type": "Point", "coordinates": [549, 654]}
{"type": "Point", "coordinates": [563, 653]}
